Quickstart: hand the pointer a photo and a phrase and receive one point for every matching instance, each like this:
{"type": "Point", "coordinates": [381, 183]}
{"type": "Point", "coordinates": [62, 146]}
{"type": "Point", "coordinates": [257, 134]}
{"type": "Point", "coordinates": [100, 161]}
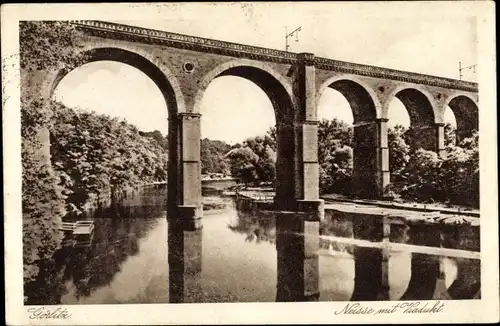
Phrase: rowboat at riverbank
{"type": "Point", "coordinates": [78, 228]}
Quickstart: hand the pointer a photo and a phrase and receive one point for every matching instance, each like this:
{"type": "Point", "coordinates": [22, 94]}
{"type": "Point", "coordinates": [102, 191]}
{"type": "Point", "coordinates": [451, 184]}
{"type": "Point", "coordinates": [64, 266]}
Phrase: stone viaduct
{"type": "Point", "coordinates": [183, 66]}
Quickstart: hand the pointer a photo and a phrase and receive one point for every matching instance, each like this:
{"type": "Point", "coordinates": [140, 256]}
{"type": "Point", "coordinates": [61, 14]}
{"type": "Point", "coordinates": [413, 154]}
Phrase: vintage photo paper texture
{"type": "Point", "coordinates": [217, 163]}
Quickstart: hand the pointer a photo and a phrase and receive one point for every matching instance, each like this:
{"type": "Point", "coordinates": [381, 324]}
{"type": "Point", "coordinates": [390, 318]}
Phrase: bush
{"type": "Point", "coordinates": [399, 152]}
{"type": "Point", "coordinates": [453, 178]}
{"type": "Point", "coordinates": [422, 173]}
{"type": "Point", "coordinates": [42, 208]}
{"type": "Point", "coordinates": [97, 156]}
{"type": "Point", "coordinates": [44, 46]}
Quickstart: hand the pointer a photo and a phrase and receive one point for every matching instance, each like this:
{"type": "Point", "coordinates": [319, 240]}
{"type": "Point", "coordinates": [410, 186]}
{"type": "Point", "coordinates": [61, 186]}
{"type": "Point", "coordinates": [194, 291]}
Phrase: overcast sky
{"type": "Point", "coordinates": [234, 108]}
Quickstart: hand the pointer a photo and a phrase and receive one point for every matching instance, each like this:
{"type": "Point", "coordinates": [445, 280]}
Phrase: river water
{"type": "Point", "coordinates": [126, 260]}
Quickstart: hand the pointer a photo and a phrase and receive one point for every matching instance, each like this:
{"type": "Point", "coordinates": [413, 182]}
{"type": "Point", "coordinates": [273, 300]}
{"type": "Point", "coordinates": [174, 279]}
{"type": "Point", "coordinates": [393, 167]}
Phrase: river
{"type": "Point", "coordinates": [126, 259]}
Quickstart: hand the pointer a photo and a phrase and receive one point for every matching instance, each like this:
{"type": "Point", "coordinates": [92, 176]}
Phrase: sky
{"type": "Point", "coordinates": [410, 40]}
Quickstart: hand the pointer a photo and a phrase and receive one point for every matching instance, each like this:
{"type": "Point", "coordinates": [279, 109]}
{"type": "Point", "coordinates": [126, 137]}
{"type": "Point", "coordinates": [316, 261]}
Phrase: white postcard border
{"type": "Point", "coordinates": [484, 310]}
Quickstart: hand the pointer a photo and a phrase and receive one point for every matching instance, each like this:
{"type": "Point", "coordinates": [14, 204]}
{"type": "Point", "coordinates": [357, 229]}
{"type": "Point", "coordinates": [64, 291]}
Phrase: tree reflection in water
{"type": "Point", "coordinates": [261, 226]}
{"type": "Point", "coordinates": [258, 226]}
{"type": "Point", "coordinates": [117, 232]}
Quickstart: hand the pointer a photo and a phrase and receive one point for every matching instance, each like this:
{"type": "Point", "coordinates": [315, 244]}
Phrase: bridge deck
{"type": "Point", "coordinates": [260, 53]}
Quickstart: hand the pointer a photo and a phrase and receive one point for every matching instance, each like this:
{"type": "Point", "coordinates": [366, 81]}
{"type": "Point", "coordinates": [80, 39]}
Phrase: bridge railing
{"type": "Point", "coordinates": [267, 54]}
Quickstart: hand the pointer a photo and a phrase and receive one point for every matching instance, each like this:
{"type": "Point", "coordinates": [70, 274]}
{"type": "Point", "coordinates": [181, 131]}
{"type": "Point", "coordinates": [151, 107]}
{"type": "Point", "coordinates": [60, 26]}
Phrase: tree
{"type": "Point", "coordinates": [243, 164]}
{"type": "Point", "coordinates": [422, 172]}
{"type": "Point", "coordinates": [460, 172]}
{"type": "Point", "coordinates": [455, 174]}
{"type": "Point", "coordinates": [266, 165]}
{"type": "Point", "coordinates": [335, 131]}
{"type": "Point", "coordinates": [471, 142]}
{"type": "Point", "coordinates": [271, 138]}
{"type": "Point", "coordinates": [336, 171]}
{"type": "Point", "coordinates": [450, 135]}
{"type": "Point", "coordinates": [255, 159]}
{"type": "Point", "coordinates": [46, 45]}
{"type": "Point", "coordinates": [335, 156]}
{"type": "Point", "coordinates": [264, 148]}
{"type": "Point", "coordinates": [213, 156]}
{"type": "Point", "coordinates": [399, 151]}
{"type": "Point", "coordinates": [43, 46]}
{"type": "Point", "coordinates": [158, 137]}
{"type": "Point", "coordinates": [98, 157]}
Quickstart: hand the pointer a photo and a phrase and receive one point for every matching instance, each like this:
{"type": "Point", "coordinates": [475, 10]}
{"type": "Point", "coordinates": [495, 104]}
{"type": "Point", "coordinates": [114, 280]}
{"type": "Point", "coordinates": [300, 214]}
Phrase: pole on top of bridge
{"type": "Point", "coordinates": [288, 35]}
{"type": "Point", "coordinates": [460, 69]}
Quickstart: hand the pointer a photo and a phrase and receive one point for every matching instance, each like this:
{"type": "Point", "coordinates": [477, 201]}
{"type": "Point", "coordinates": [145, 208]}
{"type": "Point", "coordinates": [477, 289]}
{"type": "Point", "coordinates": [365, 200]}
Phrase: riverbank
{"type": "Point", "coordinates": [463, 222]}
{"type": "Point", "coordinates": [400, 204]}
{"type": "Point", "coordinates": [267, 195]}
{"type": "Point", "coordinates": [214, 203]}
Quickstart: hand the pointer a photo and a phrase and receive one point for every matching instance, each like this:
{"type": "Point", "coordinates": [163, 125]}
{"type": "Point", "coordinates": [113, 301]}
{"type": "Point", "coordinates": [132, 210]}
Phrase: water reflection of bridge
{"type": "Point", "coordinates": [369, 233]}
{"type": "Point", "coordinates": [370, 242]}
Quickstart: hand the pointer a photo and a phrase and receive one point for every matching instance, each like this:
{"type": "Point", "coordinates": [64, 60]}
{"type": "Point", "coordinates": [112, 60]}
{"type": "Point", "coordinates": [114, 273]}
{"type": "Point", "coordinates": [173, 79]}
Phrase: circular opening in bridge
{"type": "Point", "coordinates": [188, 67]}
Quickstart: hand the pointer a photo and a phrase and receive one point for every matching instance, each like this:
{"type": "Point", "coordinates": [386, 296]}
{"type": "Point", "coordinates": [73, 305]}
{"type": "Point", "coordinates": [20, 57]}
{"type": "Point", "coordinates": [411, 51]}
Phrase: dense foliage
{"type": "Point", "coordinates": [44, 46]}
{"type": "Point", "coordinates": [156, 136]}
{"type": "Point", "coordinates": [42, 209]}
{"type": "Point", "coordinates": [335, 156]}
{"type": "Point", "coordinates": [452, 178]}
{"type": "Point", "coordinates": [416, 174]}
{"type": "Point", "coordinates": [213, 156]}
{"type": "Point", "coordinates": [399, 152]}
{"type": "Point", "coordinates": [97, 156]}
{"type": "Point", "coordinates": [254, 161]}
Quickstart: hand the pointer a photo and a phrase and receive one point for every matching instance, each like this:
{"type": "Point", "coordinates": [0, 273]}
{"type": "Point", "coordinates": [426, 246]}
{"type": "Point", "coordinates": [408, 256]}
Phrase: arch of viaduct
{"type": "Point", "coordinates": [183, 66]}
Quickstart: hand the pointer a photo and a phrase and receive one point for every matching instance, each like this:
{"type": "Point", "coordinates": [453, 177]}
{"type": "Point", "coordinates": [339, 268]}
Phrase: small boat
{"type": "Point", "coordinates": [83, 227]}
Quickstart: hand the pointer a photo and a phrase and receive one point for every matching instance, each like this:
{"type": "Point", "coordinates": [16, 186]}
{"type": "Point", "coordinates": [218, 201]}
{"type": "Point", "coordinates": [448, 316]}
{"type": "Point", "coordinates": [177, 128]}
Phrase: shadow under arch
{"type": "Point", "coordinates": [366, 110]}
{"type": "Point", "coordinates": [428, 283]}
{"type": "Point", "coordinates": [364, 102]}
{"type": "Point", "coordinates": [466, 113]}
{"type": "Point", "coordinates": [152, 68]}
{"type": "Point", "coordinates": [274, 84]}
{"type": "Point", "coordinates": [279, 92]}
{"type": "Point", "coordinates": [422, 110]}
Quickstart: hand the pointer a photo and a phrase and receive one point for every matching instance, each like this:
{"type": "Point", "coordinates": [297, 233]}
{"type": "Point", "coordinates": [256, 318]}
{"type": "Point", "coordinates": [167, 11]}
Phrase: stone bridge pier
{"type": "Point", "coordinates": [299, 209]}
{"type": "Point", "coordinates": [185, 210]}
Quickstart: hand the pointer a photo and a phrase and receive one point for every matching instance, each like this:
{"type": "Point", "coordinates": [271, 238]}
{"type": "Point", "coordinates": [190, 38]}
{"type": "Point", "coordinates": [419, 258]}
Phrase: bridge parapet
{"type": "Point", "coordinates": [147, 35]}
{"type": "Point", "coordinates": [187, 41]}
{"type": "Point", "coordinates": [393, 74]}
